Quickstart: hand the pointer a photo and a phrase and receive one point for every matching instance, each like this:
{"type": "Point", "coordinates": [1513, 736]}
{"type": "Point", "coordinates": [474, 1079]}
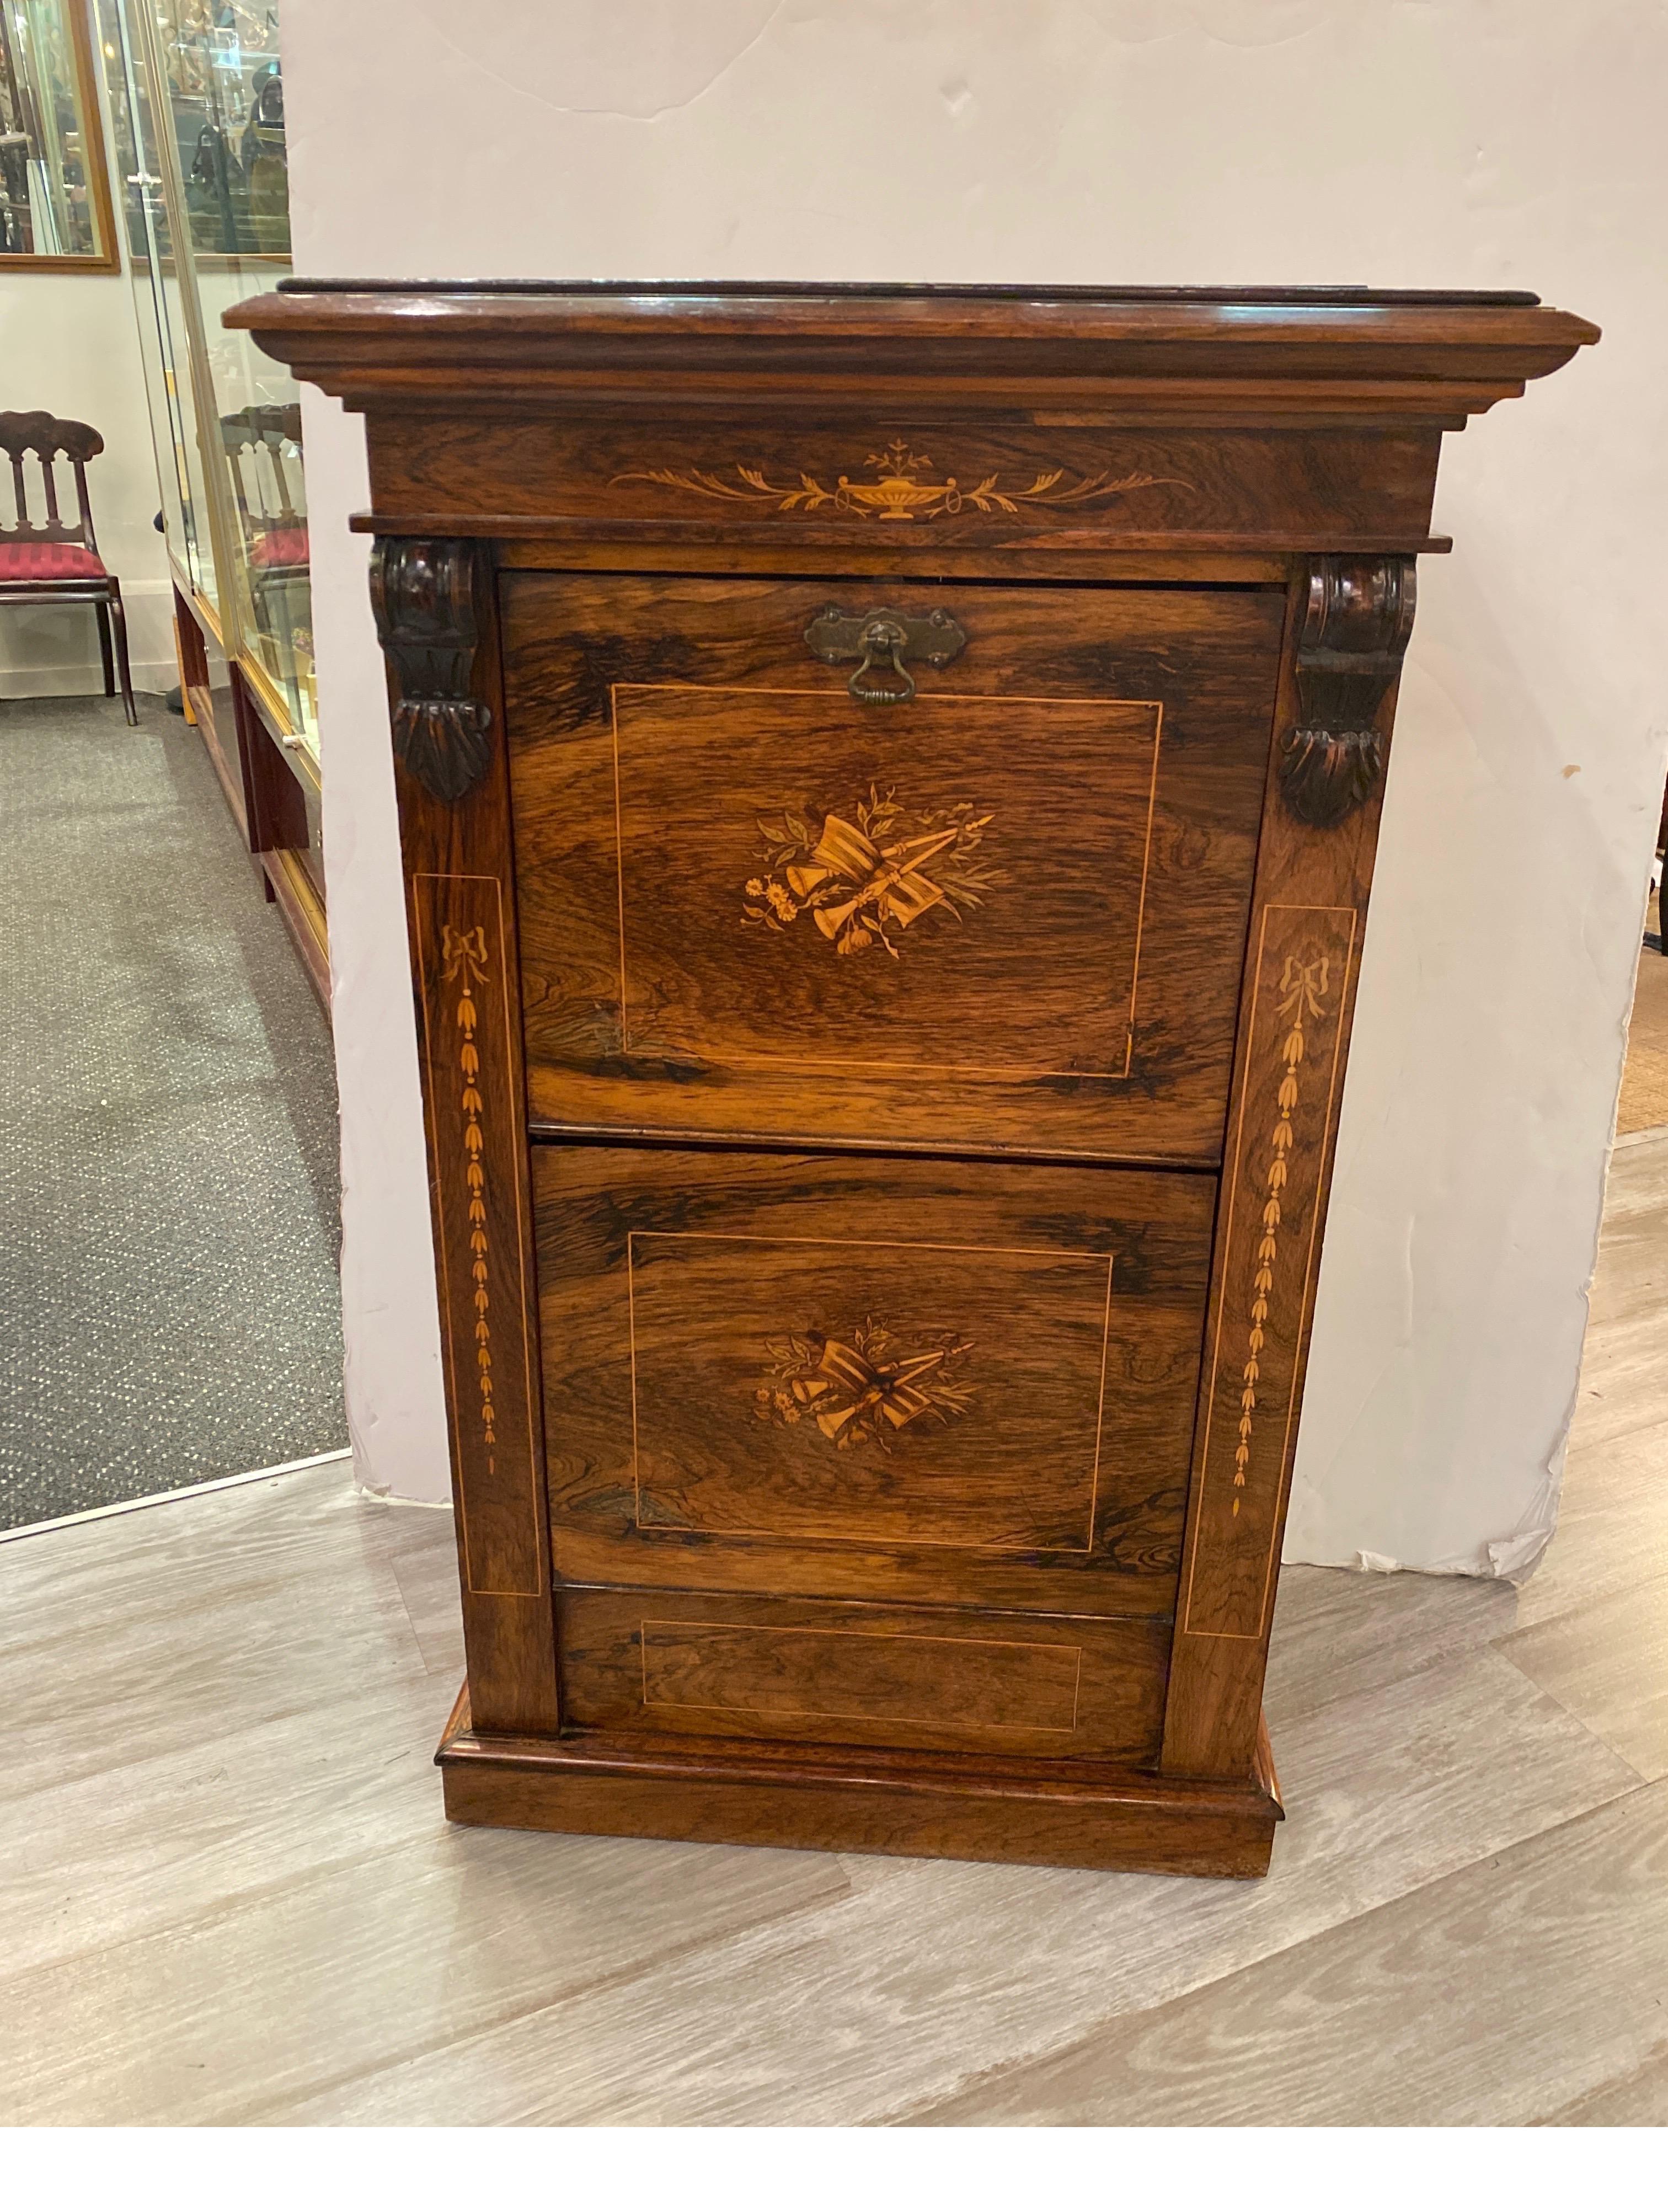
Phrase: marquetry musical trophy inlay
{"type": "Point", "coordinates": [866, 1388]}
{"type": "Point", "coordinates": [861, 880]}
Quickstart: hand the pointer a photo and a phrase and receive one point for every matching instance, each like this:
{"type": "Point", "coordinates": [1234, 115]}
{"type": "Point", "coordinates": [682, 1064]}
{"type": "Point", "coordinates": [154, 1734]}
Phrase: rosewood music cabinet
{"type": "Point", "coordinates": [889, 779]}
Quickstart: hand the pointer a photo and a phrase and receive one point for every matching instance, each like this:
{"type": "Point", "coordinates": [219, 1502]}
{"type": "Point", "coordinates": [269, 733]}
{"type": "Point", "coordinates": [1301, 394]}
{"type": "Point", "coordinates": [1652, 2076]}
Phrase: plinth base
{"type": "Point", "coordinates": [913, 1805]}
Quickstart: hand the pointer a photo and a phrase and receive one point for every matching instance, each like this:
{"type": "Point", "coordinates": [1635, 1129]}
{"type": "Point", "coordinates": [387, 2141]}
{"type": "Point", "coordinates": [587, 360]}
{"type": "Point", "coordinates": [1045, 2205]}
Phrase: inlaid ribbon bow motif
{"type": "Point", "coordinates": [864, 1391]}
{"type": "Point", "coordinates": [860, 880]}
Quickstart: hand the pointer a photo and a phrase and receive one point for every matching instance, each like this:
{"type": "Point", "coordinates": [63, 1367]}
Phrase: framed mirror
{"type": "Point", "coordinates": [55, 210]}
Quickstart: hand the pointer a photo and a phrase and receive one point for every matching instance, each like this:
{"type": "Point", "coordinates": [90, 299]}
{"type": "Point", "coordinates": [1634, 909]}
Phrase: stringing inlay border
{"type": "Point", "coordinates": [1106, 1260]}
{"type": "Point", "coordinates": [794, 1061]}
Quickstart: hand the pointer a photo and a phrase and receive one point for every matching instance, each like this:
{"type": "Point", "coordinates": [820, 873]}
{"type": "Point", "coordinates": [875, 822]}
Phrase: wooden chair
{"type": "Point", "coordinates": [43, 563]}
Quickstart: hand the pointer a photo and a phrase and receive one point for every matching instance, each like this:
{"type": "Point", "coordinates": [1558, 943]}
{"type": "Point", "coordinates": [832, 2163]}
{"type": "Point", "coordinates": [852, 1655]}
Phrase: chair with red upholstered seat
{"type": "Point", "coordinates": [47, 561]}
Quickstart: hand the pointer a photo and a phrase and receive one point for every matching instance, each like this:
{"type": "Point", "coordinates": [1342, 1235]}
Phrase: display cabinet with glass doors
{"type": "Point", "coordinates": [196, 113]}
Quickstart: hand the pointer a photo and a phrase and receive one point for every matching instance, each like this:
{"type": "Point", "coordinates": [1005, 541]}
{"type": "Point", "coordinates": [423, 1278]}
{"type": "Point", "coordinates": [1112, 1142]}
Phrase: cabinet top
{"type": "Point", "coordinates": [737, 288]}
{"type": "Point", "coordinates": [1204, 353]}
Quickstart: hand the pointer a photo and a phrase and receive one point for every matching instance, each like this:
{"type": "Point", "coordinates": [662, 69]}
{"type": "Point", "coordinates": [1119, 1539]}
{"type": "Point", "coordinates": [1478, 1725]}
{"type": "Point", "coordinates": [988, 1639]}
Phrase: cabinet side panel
{"type": "Point", "coordinates": [437, 619]}
{"type": "Point", "coordinates": [1349, 627]}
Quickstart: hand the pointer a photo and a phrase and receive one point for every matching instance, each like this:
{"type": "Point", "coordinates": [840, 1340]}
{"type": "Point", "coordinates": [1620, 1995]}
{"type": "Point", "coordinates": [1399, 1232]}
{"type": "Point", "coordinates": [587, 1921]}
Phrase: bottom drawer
{"type": "Point", "coordinates": [803, 1672]}
{"type": "Point", "coordinates": [960, 1384]}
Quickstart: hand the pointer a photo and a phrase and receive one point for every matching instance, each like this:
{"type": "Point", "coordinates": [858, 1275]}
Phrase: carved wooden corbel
{"type": "Point", "coordinates": [1356, 630]}
{"type": "Point", "coordinates": [422, 592]}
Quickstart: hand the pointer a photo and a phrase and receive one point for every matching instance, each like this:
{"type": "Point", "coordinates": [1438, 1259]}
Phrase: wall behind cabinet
{"type": "Point", "coordinates": [1131, 142]}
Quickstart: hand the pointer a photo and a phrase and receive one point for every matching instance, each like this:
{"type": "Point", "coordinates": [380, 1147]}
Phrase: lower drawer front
{"type": "Point", "coordinates": [790, 1671]}
{"type": "Point", "coordinates": [918, 1382]}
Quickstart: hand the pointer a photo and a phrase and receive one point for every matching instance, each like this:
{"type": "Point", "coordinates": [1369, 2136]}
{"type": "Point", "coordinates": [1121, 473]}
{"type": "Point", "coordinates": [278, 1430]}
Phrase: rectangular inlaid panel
{"type": "Point", "coordinates": [809, 1373]}
{"type": "Point", "coordinates": [858, 1675]}
{"type": "Point", "coordinates": [1007, 911]}
{"type": "Point", "coordinates": [723, 1665]}
{"type": "Point", "coordinates": [954, 1391]}
{"type": "Point", "coordinates": [873, 914]}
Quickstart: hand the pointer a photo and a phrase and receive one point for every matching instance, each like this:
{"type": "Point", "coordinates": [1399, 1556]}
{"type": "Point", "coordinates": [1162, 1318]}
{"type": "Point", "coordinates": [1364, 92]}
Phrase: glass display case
{"type": "Point", "coordinates": [224, 82]}
{"type": "Point", "coordinates": [196, 109]}
{"type": "Point", "coordinates": [161, 309]}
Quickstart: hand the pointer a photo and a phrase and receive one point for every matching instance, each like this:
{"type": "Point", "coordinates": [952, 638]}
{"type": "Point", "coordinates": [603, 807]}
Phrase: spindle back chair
{"type": "Point", "coordinates": [46, 559]}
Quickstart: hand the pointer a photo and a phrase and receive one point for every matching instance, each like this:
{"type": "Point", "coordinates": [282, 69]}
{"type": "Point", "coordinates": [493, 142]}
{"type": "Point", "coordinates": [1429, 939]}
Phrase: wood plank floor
{"type": "Point", "coordinates": [229, 1896]}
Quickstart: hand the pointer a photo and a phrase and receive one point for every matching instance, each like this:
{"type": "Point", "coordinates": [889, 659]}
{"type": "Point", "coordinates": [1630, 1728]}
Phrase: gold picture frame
{"type": "Point", "coordinates": [37, 193]}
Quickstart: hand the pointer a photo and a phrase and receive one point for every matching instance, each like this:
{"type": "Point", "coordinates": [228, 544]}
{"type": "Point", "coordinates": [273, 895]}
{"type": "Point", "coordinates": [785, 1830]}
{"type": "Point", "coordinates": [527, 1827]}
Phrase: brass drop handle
{"type": "Point", "coordinates": [886, 636]}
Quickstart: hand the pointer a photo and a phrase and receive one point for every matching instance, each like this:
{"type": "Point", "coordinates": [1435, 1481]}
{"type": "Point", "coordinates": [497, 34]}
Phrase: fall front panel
{"type": "Point", "coordinates": [848, 862]}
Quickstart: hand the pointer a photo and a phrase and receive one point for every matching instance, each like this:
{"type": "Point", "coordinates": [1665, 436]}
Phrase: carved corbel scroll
{"type": "Point", "coordinates": [1356, 630]}
{"type": "Point", "coordinates": [422, 593]}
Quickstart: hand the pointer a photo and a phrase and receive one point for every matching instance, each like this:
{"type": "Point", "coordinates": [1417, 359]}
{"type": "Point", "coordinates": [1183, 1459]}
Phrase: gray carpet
{"type": "Point", "coordinates": [168, 1199]}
